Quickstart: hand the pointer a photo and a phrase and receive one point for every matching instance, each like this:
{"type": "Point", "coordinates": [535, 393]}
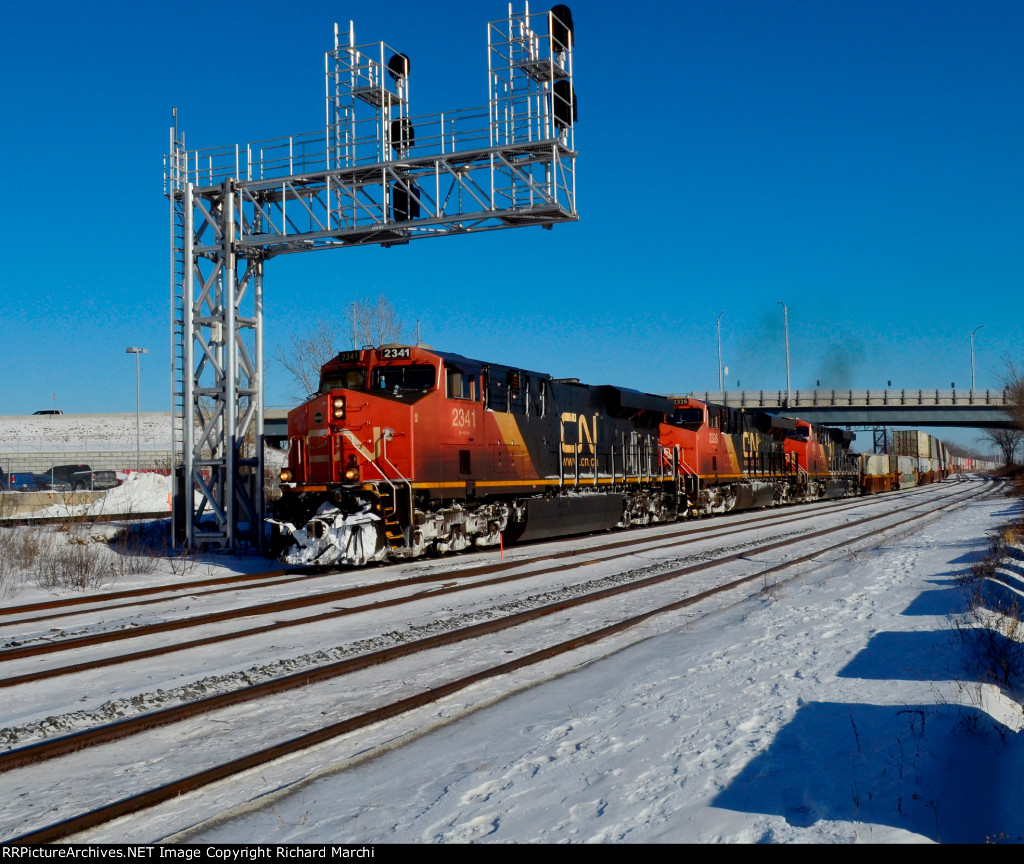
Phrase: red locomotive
{"type": "Point", "coordinates": [405, 450]}
{"type": "Point", "coordinates": [732, 459]}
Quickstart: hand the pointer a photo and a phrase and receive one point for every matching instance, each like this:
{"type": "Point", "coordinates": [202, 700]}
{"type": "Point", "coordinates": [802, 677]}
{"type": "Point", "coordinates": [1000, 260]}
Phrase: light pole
{"type": "Point", "coordinates": [785, 321]}
{"type": "Point", "coordinates": [138, 421]}
{"type": "Point", "coordinates": [721, 383]}
{"type": "Point", "coordinates": [975, 330]}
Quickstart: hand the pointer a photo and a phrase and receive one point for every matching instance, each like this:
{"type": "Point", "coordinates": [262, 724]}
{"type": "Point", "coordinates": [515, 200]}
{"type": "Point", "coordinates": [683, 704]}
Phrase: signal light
{"type": "Point", "coordinates": [398, 66]}
{"type": "Point", "coordinates": [403, 135]}
{"type": "Point", "coordinates": [561, 27]}
{"type": "Point", "coordinates": [565, 108]}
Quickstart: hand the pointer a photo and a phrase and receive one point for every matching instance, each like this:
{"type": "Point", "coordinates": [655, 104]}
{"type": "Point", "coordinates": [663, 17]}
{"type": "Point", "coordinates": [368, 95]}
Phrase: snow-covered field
{"type": "Point", "coordinates": [835, 708]}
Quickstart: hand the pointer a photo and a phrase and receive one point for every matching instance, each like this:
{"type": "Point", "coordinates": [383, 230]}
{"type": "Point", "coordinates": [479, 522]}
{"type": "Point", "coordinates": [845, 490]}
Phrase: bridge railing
{"type": "Point", "coordinates": [837, 398]}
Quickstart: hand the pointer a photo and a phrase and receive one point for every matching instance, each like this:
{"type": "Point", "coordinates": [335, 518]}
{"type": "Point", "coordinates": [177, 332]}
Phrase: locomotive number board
{"type": "Point", "coordinates": [392, 353]}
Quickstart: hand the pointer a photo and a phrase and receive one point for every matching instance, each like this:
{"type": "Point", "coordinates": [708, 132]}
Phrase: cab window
{"type": "Point", "coordinates": [461, 385]}
{"type": "Point", "coordinates": [349, 379]}
{"type": "Point", "coordinates": [398, 378]}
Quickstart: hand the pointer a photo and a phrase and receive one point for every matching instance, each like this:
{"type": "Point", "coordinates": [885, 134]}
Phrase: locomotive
{"type": "Point", "coordinates": [405, 450]}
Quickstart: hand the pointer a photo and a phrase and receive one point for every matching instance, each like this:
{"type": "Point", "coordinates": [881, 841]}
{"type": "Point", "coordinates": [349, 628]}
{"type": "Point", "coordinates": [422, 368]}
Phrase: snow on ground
{"type": "Point", "coordinates": [141, 492]}
{"type": "Point", "coordinates": [837, 707]}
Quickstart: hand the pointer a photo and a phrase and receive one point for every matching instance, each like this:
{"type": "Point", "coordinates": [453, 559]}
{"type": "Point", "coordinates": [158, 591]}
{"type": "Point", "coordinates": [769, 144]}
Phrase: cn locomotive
{"type": "Point", "coordinates": [405, 450]}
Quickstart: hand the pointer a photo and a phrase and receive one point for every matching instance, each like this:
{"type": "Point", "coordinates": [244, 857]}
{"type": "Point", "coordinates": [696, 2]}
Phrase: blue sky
{"type": "Point", "coordinates": [861, 162]}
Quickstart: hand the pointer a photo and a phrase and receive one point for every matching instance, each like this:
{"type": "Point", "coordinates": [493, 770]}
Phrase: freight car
{"type": "Point", "coordinates": [917, 459]}
{"type": "Point", "coordinates": [405, 450]}
{"type": "Point", "coordinates": [886, 472]}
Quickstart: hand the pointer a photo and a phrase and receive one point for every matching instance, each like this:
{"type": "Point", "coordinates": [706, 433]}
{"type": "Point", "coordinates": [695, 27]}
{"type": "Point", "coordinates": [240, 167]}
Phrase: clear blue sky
{"type": "Point", "coordinates": [861, 162]}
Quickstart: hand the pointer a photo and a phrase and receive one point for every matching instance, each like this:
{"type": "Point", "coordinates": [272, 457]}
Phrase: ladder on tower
{"type": "Point", "coordinates": [174, 171]}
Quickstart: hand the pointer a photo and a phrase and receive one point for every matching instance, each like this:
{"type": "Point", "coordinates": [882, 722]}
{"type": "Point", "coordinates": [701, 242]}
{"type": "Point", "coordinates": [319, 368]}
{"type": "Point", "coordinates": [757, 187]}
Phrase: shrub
{"type": "Point", "coordinates": [71, 566]}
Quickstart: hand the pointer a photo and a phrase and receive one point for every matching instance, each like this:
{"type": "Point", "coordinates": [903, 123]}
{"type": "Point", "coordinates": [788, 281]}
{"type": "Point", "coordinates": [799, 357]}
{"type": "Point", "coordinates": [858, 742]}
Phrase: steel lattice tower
{"type": "Point", "coordinates": [376, 174]}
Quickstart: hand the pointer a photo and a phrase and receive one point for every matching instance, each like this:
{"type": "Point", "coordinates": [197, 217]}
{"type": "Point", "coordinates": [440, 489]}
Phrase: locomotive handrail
{"type": "Point", "coordinates": [390, 464]}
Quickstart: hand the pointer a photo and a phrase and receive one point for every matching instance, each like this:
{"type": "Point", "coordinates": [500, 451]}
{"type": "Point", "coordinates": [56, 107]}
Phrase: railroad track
{"type": "Point", "coordinates": [725, 575]}
{"type": "Point", "coordinates": [16, 648]}
{"type": "Point", "coordinates": [153, 594]}
{"type": "Point", "coordinates": [83, 519]}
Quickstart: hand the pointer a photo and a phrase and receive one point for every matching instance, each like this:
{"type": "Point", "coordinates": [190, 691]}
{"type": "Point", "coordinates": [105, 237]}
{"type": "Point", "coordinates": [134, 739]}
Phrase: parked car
{"type": "Point", "coordinates": [80, 477]}
{"type": "Point", "coordinates": [45, 483]}
{"type": "Point", "coordinates": [21, 481]}
{"type": "Point", "coordinates": [48, 411]}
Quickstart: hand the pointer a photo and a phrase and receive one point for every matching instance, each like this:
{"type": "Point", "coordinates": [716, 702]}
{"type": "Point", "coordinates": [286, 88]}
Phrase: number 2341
{"type": "Point", "coordinates": [463, 417]}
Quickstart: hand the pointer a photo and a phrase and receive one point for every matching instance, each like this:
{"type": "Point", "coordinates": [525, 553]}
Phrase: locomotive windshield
{"type": "Point", "coordinates": [349, 379]}
{"type": "Point", "coordinates": [398, 378]}
{"type": "Point", "coordinates": [688, 416]}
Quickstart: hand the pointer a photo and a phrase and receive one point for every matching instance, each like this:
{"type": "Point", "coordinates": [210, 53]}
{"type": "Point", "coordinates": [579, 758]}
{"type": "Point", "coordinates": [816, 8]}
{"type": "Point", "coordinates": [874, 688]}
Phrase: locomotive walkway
{"type": "Point", "coordinates": [979, 409]}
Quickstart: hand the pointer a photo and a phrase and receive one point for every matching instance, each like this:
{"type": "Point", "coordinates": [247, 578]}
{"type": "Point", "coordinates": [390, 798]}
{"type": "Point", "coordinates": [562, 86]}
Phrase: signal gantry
{"type": "Point", "coordinates": [376, 174]}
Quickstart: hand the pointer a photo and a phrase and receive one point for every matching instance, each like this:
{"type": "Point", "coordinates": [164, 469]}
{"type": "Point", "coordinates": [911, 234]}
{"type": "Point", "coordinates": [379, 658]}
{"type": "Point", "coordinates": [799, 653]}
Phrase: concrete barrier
{"type": "Point", "coordinates": [14, 504]}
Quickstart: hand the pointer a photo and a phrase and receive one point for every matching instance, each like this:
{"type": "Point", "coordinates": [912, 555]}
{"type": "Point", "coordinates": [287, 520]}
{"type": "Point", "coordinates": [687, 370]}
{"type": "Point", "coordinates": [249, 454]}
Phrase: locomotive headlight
{"type": "Point", "coordinates": [352, 473]}
{"type": "Point", "coordinates": [338, 406]}
{"type": "Point", "coordinates": [286, 475]}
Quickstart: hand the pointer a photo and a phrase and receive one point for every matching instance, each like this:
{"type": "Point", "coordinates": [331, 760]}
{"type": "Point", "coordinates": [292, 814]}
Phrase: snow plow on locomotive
{"type": "Point", "coordinates": [405, 450]}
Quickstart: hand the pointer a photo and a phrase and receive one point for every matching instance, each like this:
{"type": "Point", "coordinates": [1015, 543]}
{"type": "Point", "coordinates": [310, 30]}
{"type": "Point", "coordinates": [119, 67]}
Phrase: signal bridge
{"type": "Point", "coordinates": [979, 409]}
{"type": "Point", "coordinates": [376, 173]}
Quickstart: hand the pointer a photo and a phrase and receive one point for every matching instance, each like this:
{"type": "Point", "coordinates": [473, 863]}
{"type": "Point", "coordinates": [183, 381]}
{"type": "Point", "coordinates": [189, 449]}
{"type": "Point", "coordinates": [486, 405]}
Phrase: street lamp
{"type": "Point", "coordinates": [785, 320]}
{"type": "Point", "coordinates": [721, 383]}
{"type": "Point", "coordinates": [138, 421]}
{"type": "Point", "coordinates": [975, 330]}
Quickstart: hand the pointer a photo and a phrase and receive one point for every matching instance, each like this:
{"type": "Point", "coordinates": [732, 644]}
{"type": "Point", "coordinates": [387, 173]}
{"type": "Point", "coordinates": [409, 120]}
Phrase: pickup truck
{"type": "Point", "coordinates": [81, 477]}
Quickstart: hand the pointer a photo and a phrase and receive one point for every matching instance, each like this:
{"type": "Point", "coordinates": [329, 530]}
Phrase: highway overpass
{"type": "Point", "coordinates": [979, 409]}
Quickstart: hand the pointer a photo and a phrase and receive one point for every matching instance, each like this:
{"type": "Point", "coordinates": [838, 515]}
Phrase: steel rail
{"type": "Point", "coordinates": [75, 519]}
{"type": "Point", "coordinates": [74, 643]}
{"type": "Point", "coordinates": [55, 747]}
{"type": "Point", "coordinates": [140, 801]}
{"type": "Point", "coordinates": [308, 572]}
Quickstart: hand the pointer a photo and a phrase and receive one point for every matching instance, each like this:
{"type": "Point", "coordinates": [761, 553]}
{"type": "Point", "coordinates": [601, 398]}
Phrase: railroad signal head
{"type": "Point", "coordinates": [398, 66]}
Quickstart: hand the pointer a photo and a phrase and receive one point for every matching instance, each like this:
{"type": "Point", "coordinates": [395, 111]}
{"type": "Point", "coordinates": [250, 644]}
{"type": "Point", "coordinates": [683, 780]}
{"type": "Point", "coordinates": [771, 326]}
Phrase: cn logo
{"type": "Point", "coordinates": [584, 433]}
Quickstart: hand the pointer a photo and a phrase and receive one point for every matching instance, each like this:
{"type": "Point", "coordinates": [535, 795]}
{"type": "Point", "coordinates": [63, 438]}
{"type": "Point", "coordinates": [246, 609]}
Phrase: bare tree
{"type": "Point", "coordinates": [1013, 389]}
{"type": "Point", "coordinates": [369, 322]}
{"type": "Point", "coordinates": [306, 352]}
{"type": "Point", "coordinates": [1006, 441]}
{"type": "Point", "coordinates": [377, 321]}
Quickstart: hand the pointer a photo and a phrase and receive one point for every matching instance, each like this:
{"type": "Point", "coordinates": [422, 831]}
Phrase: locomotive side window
{"type": "Point", "coordinates": [461, 385]}
{"type": "Point", "coordinates": [495, 392]}
{"type": "Point", "coordinates": [518, 386]}
{"type": "Point", "coordinates": [398, 378]}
